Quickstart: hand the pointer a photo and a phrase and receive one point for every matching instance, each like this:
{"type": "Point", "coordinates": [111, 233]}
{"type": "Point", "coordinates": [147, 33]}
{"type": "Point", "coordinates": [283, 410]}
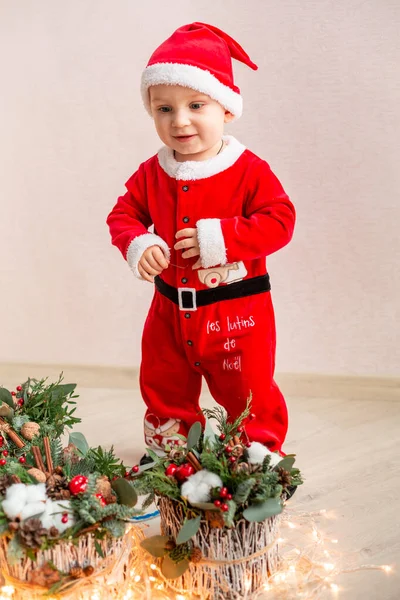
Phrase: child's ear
{"type": "Point", "coordinates": [228, 116]}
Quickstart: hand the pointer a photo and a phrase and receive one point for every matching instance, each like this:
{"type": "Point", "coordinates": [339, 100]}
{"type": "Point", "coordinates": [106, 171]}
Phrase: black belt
{"type": "Point", "coordinates": [191, 299]}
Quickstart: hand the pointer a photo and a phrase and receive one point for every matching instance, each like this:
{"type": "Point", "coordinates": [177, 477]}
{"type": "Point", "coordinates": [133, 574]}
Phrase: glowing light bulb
{"type": "Point", "coordinates": [137, 578]}
{"type": "Point", "coordinates": [291, 525]}
{"type": "Point", "coordinates": [329, 566]}
{"type": "Point", "coordinates": [154, 567]}
{"type": "Point", "coordinates": [335, 588]}
{"type": "Point", "coordinates": [386, 568]}
{"type": "Point", "coordinates": [334, 541]}
{"type": "Point", "coordinates": [180, 597]}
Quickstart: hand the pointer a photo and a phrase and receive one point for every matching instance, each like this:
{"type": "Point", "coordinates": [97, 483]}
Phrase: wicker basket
{"type": "Point", "coordinates": [113, 570]}
{"type": "Point", "coordinates": [236, 562]}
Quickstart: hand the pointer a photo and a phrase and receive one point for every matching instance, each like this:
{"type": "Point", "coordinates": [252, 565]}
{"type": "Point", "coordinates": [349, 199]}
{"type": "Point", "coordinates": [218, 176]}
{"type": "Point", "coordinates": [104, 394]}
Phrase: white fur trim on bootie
{"type": "Point", "coordinates": [139, 244]}
{"type": "Point", "coordinates": [211, 242]}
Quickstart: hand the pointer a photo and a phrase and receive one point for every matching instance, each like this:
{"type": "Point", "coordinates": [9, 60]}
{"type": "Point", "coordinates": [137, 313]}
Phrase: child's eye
{"type": "Point", "coordinates": [196, 105]}
{"type": "Point", "coordinates": [161, 109]}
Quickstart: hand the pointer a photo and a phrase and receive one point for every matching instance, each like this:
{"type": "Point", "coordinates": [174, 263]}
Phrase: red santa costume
{"type": "Point", "coordinates": [215, 322]}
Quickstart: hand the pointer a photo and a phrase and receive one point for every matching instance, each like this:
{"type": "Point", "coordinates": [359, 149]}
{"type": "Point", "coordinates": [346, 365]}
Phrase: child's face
{"type": "Point", "coordinates": [181, 111]}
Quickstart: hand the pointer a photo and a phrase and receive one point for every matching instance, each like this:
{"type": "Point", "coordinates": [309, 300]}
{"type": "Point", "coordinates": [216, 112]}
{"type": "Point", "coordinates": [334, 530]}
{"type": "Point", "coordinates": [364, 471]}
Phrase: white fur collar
{"type": "Point", "coordinates": [201, 169]}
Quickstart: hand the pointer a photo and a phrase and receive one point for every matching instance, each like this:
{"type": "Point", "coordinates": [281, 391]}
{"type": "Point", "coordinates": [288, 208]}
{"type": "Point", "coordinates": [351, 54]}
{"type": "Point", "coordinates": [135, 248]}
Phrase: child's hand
{"type": "Point", "coordinates": [191, 242]}
{"type": "Point", "coordinates": [152, 263]}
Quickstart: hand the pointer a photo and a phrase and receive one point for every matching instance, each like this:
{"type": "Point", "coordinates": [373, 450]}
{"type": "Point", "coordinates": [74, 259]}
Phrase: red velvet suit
{"type": "Point", "coordinates": [242, 215]}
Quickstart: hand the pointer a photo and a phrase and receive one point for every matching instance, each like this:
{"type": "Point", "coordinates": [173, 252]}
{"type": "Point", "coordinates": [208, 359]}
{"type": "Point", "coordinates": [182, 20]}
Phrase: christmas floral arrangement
{"type": "Point", "coordinates": [62, 510]}
{"type": "Point", "coordinates": [219, 497]}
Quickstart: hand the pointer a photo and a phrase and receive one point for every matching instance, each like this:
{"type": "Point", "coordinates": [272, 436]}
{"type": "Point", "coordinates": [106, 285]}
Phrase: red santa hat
{"type": "Point", "coordinates": [198, 56]}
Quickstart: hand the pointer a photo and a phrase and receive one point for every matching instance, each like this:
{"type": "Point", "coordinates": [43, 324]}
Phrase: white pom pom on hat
{"type": "Point", "coordinates": [198, 56]}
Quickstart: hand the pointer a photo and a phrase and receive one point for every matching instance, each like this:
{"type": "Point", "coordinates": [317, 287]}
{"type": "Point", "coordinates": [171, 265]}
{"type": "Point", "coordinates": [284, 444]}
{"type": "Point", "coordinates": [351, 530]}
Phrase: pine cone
{"type": "Point", "coordinates": [57, 487]}
{"type": "Point", "coordinates": [76, 572]}
{"type": "Point", "coordinates": [6, 481]}
{"type": "Point", "coordinates": [180, 552]}
{"type": "Point", "coordinates": [196, 555]}
{"type": "Point", "coordinates": [170, 545]}
{"type": "Point", "coordinates": [285, 478]}
{"type": "Point", "coordinates": [31, 533]}
{"type": "Point", "coordinates": [45, 576]}
{"type": "Point", "coordinates": [215, 519]}
{"type": "Point", "coordinates": [53, 533]}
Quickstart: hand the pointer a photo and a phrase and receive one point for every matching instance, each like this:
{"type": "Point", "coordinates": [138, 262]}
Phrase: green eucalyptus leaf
{"type": "Point", "coordinates": [155, 545]}
{"type": "Point", "coordinates": [79, 440]}
{"type": "Point", "coordinates": [229, 515]}
{"type": "Point", "coordinates": [125, 492]}
{"type": "Point", "coordinates": [5, 396]}
{"type": "Point", "coordinates": [286, 463]}
{"type": "Point", "coordinates": [153, 455]}
{"type": "Point", "coordinates": [14, 551]}
{"type": "Point", "coordinates": [194, 435]}
{"type": "Point", "coordinates": [172, 570]}
{"type": "Point", "coordinates": [189, 529]}
{"type": "Point", "coordinates": [209, 434]}
{"type": "Point", "coordinates": [260, 512]}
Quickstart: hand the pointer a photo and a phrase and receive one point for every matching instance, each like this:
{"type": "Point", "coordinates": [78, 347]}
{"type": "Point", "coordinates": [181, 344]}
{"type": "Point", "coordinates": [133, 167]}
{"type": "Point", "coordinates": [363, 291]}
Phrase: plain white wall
{"type": "Point", "coordinates": [323, 109]}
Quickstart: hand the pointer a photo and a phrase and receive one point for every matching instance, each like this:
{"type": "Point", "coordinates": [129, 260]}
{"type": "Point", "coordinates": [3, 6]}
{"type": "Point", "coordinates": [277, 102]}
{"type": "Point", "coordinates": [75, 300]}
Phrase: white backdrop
{"type": "Point", "coordinates": [323, 109]}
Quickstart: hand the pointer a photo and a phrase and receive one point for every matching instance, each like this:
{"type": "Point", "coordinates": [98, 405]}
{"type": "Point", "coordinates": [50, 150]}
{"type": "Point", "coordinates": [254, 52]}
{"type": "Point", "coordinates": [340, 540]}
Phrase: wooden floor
{"type": "Point", "coordinates": [346, 445]}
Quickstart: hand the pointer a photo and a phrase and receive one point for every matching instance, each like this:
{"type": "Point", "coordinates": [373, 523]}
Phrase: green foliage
{"type": "Point", "coordinates": [189, 528]}
{"type": "Point", "coordinates": [243, 490]}
{"type": "Point", "coordinates": [194, 435]}
{"type": "Point", "coordinates": [79, 441]}
{"type": "Point", "coordinates": [155, 545]}
{"type": "Point", "coordinates": [56, 448]}
{"type": "Point", "coordinates": [116, 528]}
{"type": "Point", "coordinates": [15, 551]}
{"type": "Point", "coordinates": [51, 404]}
{"type": "Point", "coordinates": [172, 570]}
{"type": "Point", "coordinates": [125, 492]}
{"type": "Point", "coordinates": [106, 463]}
{"type": "Point", "coordinates": [229, 515]}
{"type": "Point", "coordinates": [260, 512]}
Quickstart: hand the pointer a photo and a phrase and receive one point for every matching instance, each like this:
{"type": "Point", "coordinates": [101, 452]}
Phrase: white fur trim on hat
{"type": "Point", "coordinates": [211, 242]}
{"type": "Point", "coordinates": [191, 170]}
{"type": "Point", "coordinates": [191, 77]}
{"type": "Point", "coordinates": [139, 244]}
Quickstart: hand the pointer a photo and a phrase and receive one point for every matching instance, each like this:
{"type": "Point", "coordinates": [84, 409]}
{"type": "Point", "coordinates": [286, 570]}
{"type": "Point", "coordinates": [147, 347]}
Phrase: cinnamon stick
{"type": "Point", "coordinates": [231, 442]}
{"type": "Point", "coordinates": [47, 451]}
{"type": "Point", "coordinates": [8, 430]}
{"type": "Point", "coordinates": [38, 458]}
{"type": "Point", "coordinates": [236, 440]}
{"type": "Point", "coordinates": [190, 457]}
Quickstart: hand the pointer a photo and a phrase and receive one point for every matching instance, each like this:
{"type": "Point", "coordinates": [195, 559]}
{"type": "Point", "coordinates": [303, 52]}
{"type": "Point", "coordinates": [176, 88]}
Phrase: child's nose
{"type": "Point", "coordinates": [181, 118]}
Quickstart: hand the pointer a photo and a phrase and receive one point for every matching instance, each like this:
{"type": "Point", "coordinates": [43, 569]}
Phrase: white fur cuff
{"type": "Point", "coordinates": [211, 242]}
{"type": "Point", "coordinates": [139, 244]}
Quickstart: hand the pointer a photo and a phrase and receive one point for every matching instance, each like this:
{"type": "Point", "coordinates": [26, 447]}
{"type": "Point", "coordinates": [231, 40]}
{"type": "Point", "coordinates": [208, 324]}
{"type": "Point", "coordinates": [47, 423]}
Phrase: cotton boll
{"type": "Point", "coordinates": [32, 509]}
{"type": "Point", "coordinates": [60, 508]}
{"type": "Point", "coordinates": [197, 488]}
{"type": "Point", "coordinates": [37, 493]}
{"type": "Point", "coordinates": [16, 497]}
{"type": "Point", "coordinates": [47, 517]}
{"type": "Point", "coordinates": [257, 453]}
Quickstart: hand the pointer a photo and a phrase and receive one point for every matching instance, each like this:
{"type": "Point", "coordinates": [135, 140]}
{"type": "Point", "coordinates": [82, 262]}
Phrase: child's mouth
{"type": "Point", "coordinates": [184, 138]}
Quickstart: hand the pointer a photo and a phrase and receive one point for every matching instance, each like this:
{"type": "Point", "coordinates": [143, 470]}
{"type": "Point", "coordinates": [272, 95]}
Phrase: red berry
{"type": "Point", "coordinates": [229, 497]}
{"type": "Point", "coordinates": [222, 437]}
{"type": "Point", "coordinates": [248, 444]}
{"type": "Point", "coordinates": [217, 503]}
{"type": "Point", "coordinates": [184, 471]}
{"type": "Point", "coordinates": [224, 507]}
{"type": "Point", "coordinates": [240, 429]}
{"type": "Point", "coordinates": [127, 473]}
{"type": "Point", "coordinates": [19, 388]}
{"type": "Point", "coordinates": [64, 519]}
{"type": "Point", "coordinates": [78, 484]}
{"type": "Point", "coordinates": [171, 470]}
{"type": "Point", "coordinates": [228, 449]}
{"type": "Point", "coordinates": [2, 462]}
{"type": "Point", "coordinates": [223, 492]}
{"type": "Point", "coordinates": [101, 499]}
{"type": "Point", "coordinates": [252, 416]}
{"type": "Point", "coordinates": [135, 469]}
{"type": "Point", "coordinates": [5, 453]}
{"type": "Point", "coordinates": [13, 393]}
{"type": "Point", "coordinates": [115, 477]}
{"type": "Point", "coordinates": [20, 402]}
{"type": "Point", "coordinates": [232, 459]}
{"type": "Point", "coordinates": [22, 460]}
{"type": "Point", "coordinates": [1, 442]}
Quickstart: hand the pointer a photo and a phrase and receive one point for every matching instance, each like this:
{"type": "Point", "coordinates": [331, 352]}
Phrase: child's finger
{"type": "Point", "coordinates": [190, 253]}
{"type": "Point", "coordinates": [159, 257]}
{"type": "Point", "coordinates": [149, 258]}
{"type": "Point", "coordinates": [148, 268]}
{"type": "Point", "coordinates": [188, 232]}
{"type": "Point", "coordinates": [145, 275]}
{"type": "Point", "coordinates": [186, 243]}
{"type": "Point", "coordinates": [197, 264]}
